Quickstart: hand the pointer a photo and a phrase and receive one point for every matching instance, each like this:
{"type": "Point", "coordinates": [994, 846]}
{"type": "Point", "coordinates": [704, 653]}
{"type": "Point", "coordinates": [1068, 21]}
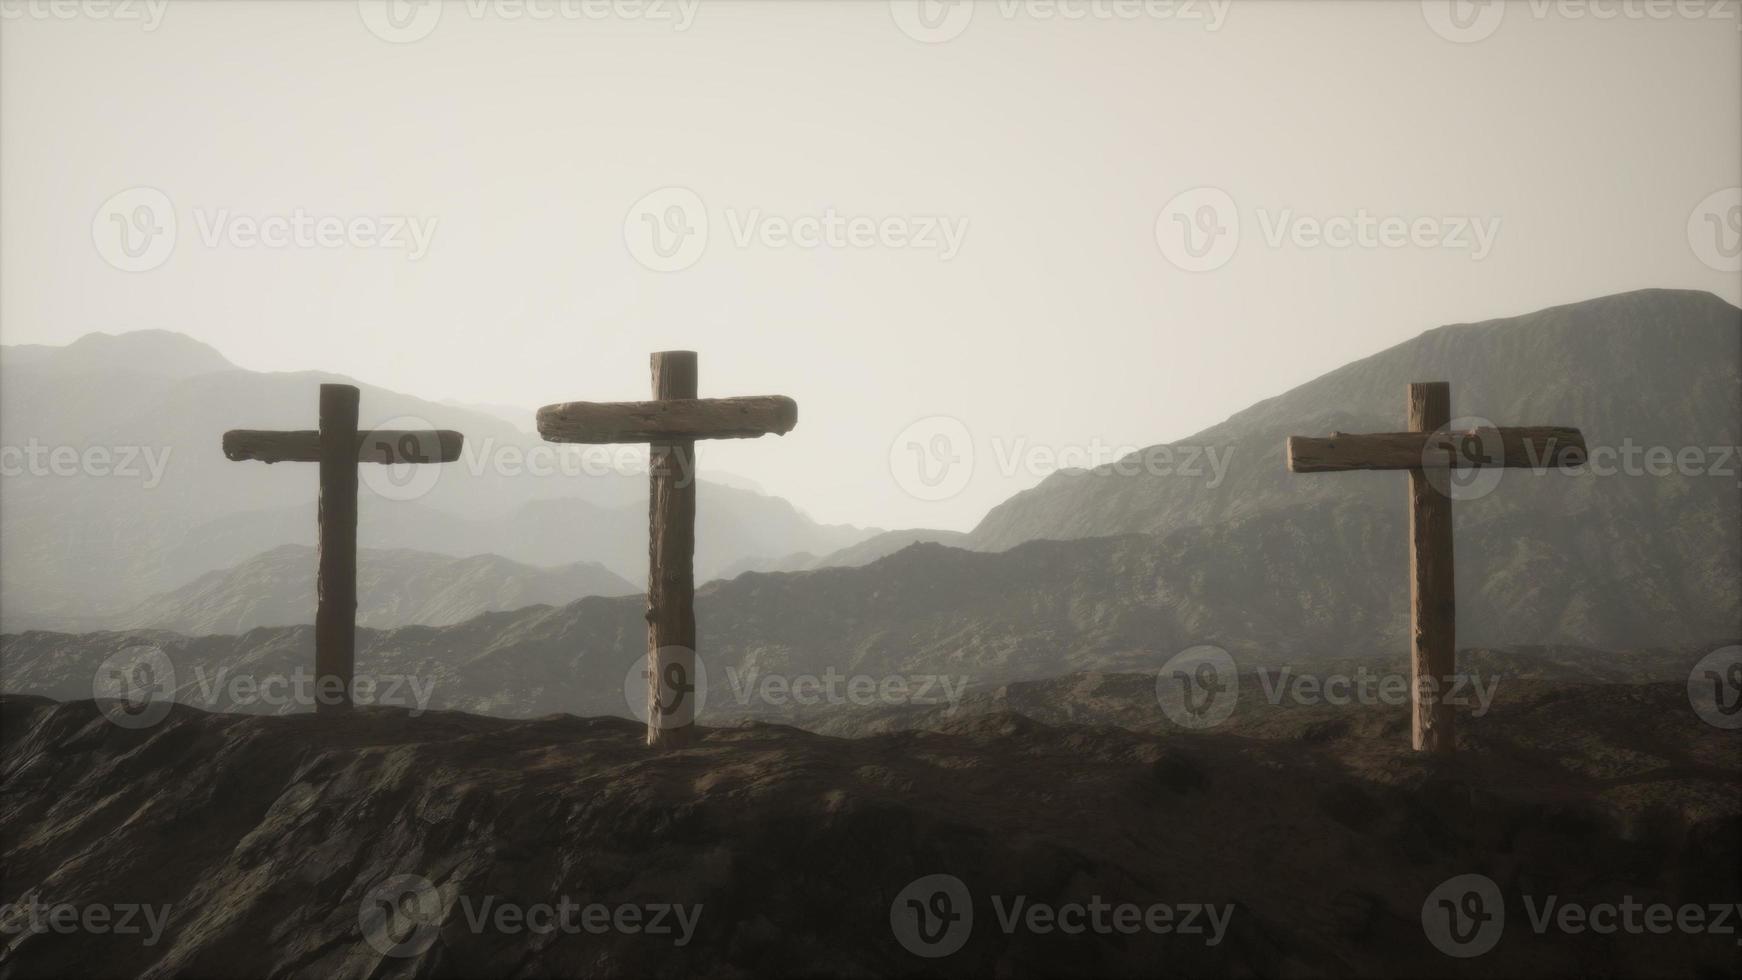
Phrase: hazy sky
{"type": "Point", "coordinates": [1009, 218]}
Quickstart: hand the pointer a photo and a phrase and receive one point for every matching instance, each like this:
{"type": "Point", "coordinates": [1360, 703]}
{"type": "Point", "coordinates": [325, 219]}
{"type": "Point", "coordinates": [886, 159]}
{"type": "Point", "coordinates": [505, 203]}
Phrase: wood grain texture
{"type": "Point", "coordinates": [673, 420]}
{"type": "Point", "coordinates": [336, 581]}
{"type": "Point", "coordinates": [1536, 446]}
{"type": "Point", "coordinates": [374, 446]}
{"type": "Point", "coordinates": [671, 584]}
{"type": "Point", "coordinates": [1432, 600]}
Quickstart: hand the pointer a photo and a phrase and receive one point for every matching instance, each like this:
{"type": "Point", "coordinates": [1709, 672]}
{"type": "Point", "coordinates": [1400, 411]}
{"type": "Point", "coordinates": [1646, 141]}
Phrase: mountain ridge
{"type": "Point", "coordinates": [154, 528]}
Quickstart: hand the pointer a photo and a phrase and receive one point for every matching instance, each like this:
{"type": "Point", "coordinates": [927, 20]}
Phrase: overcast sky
{"type": "Point", "coordinates": [1013, 229]}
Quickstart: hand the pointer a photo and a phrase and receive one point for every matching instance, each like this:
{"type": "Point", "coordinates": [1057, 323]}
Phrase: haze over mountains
{"type": "Point", "coordinates": [394, 588]}
{"type": "Point", "coordinates": [1110, 572]}
{"type": "Point", "coordinates": [1634, 549]}
{"type": "Point", "coordinates": [162, 506]}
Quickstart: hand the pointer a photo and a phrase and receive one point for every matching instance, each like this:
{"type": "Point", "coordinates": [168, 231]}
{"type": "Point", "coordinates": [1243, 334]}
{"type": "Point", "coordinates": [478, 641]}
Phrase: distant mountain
{"type": "Point", "coordinates": [1040, 610]}
{"type": "Point", "coordinates": [880, 545]}
{"type": "Point", "coordinates": [1277, 568]}
{"type": "Point", "coordinates": [140, 499]}
{"type": "Point", "coordinates": [159, 353]}
{"type": "Point", "coordinates": [1654, 367]}
{"type": "Point", "coordinates": [1634, 549]}
{"type": "Point", "coordinates": [400, 587]}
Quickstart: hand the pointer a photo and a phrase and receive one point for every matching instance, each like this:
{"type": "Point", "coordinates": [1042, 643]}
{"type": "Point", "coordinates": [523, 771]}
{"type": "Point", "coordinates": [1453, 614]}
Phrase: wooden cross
{"type": "Point", "coordinates": [670, 424]}
{"type": "Point", "coordinates": [338, 447]}
{"type": "Point", "coordinates": [1429, 444]}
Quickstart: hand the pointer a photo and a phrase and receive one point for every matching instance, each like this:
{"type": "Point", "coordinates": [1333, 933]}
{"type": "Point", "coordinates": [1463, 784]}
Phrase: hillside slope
{"type": "Point", "coordinates": [1651, 377]}
{"type": "Point", "coordinates": [272, 846]}
{"type": "Point", "coordinates": [394, 588]}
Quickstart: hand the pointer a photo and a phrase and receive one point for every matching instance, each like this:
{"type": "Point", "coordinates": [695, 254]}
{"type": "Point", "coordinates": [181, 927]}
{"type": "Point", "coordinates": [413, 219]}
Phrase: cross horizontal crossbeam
{"type": "Point", "coordinates": [1430, 446]}
{"type": "Point", "coordinates": [1520, 446]}
{"type": "Point", "coordinates": [378, 446]}
{"type": "Point", "coordinates": [668, 420]}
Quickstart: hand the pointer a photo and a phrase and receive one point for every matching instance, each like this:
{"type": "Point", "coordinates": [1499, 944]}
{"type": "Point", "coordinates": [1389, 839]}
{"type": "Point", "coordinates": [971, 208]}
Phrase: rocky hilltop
{"type": "Point", "coordinates": [1297, 842]}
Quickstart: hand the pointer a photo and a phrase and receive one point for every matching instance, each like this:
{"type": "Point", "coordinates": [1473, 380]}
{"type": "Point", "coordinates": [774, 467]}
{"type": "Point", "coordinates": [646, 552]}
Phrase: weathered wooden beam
{"type": "Point", "coordinates": [1517, 446]}
{"type": "Point", "coordinates": [1432, 599]}
{"type": "Point", "coordinates": [679, 419]}
{"type": "Point", "coordinates": [375, 446]}
{"type": "Point", "coordinates": [336, 579]}
{"type": "Point", "coordinates": [671, 551]}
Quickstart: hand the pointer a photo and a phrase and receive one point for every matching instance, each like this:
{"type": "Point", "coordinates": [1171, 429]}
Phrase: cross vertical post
{"type": "Point", "coordinates": [339, 447]}
{"type": "Point", "coordinates": [670, 424]}
{"type": "Point", "coordinates": [336, 576]}
{"type": "Point", "coordinates": [1432, 598]}
{"type": "Point", "coordinates": [671, 553]}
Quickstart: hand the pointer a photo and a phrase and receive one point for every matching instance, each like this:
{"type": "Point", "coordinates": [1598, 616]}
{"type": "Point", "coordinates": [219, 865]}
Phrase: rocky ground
{"type": "Point", "coordinates": [1299, 841]}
